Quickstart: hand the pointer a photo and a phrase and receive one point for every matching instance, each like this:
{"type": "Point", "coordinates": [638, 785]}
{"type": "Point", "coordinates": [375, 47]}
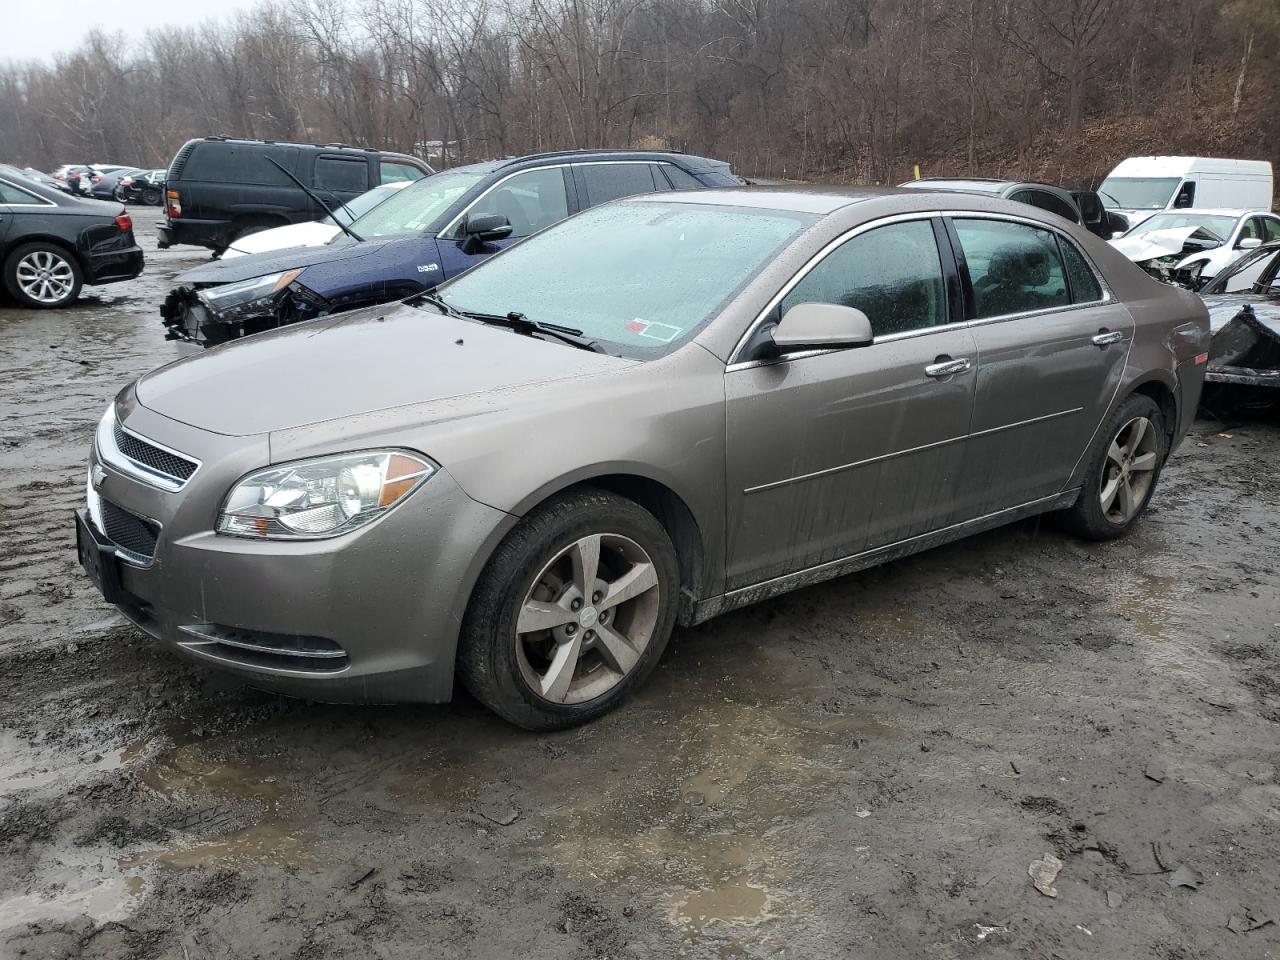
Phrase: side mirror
{"type": "Point", "coordinates": [481, 228]}
{"type": "Point", "coordinates": [822, 326]}
{"type": "Point", "coordinates": [1248, 243]}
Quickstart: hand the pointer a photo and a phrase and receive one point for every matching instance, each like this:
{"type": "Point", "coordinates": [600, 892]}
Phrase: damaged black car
{"type": "Point", "coordinates": [1244, 316]}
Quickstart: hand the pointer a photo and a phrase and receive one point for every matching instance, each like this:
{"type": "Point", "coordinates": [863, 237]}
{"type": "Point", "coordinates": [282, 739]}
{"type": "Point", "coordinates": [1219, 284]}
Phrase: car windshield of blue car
{"type": "Point", "coordinates": [638, 277]}
{"type": "Point", "coordinates": [360, 205]}
{"type": "Point", "coordinates": [413, 209]}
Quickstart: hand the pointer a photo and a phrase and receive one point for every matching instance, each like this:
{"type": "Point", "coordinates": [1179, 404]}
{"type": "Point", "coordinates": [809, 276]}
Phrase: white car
{"type": "Point", "coordinates": [313, 233]}
{"type": "Point", "coordinates": [1202, 241]}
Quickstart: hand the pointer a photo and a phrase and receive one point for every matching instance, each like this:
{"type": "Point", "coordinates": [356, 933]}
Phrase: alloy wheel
{"type": "Point", "coordinates": [1129, 470]}
{"type": "Point", "coordinates": [587, 619]}
{"type": "Point", "coordinates": [45, 277]}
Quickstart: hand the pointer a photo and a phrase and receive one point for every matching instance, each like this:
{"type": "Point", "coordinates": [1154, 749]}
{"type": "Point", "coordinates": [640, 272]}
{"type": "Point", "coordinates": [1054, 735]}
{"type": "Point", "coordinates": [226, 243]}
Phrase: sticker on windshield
{"type": "Point", "coordinates": [663, 332]}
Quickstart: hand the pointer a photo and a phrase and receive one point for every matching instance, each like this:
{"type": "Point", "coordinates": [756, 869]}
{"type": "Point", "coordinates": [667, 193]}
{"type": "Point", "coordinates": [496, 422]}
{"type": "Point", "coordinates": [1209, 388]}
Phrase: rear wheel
{"type": "Point", "coordinates": [246, 228]}
{"type": "Point", "coordinates": [572, 612]}
{"type": "Point", "coordinates": [151, 196]}
{"type": "Point", "coordinates": [42, 275]}
{"type": "Point", "coordinates": [1124, 467]}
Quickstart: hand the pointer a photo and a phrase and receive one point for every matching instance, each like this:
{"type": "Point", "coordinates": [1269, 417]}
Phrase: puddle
{"type": "Point", "coordinates": [99, 889]}
{"type": "Point", "coordinates": [735, 905]}
{"type": "Point", "coordinates": [21, 770]}
{"type": "Point", "coordinates": [1150, 602]}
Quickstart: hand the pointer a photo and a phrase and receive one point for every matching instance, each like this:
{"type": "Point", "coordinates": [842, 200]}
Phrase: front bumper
{"type": "Point", "coordinates": [371, 616]}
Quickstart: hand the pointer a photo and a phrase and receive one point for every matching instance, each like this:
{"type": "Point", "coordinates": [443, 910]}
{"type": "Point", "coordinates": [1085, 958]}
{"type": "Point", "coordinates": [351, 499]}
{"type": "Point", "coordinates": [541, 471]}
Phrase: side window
{"type": "Point", "coordinates": [609, 181]}
{"type": "Point", "coordinates": [1252, 229]}
{"type": "Point", "coordinates": [1013, 267]}
{"type": "Point", "coordinates": [680, 179]}
{"type": "Point", "coordinates": [892, 274]}
{"type": "Point", "coordinates": [1186, 195]}
{"type": "Point", "coordinates": [392, 172]}
{"type": "Point", "coordinates": [530, 201]}
{"type": "Point", "coordinates": [11, 194]}
{"type": "Point", "coordinates": [341, 175]}
{"type": "Point", "coordinates": [1084, 284]}
{"type": "Point", "coordinates": [1054, 204]}
{"type": "Point", "coordinates": [1271, 227]}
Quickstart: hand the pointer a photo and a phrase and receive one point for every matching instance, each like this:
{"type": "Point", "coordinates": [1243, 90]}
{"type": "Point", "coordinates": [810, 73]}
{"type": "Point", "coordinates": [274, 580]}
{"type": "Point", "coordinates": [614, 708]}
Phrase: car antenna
{"type": "Point", "coordinates": [327, 209]}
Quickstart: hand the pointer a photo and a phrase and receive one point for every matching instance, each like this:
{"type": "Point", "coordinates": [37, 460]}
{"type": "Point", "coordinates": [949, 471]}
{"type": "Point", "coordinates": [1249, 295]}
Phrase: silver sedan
{"type": "Point", "coordinates": [662, 409]}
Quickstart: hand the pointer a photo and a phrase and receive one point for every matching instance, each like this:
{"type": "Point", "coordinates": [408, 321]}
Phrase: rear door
{"type": "Point", "coordinates": [530, 200]}
{"type": "Point", "coordinates": [832, 453]}
{"type": "Point", "coordinates": [1052, 345]}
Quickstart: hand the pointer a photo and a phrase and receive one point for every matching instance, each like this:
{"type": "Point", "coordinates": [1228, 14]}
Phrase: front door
{"type": "Point", "coordinates": [529, 200]}
{"type": "Point", "coordinates": [1052, 348]}
{"type": "Point", "coordinates": [834, 453]}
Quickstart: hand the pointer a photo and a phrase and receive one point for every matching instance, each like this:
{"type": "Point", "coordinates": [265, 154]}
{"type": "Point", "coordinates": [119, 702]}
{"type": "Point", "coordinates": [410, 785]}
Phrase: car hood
{"type": "Point", "coordinates": [355, 363]}
{"type": "Point", "coordinates": [1157, 243]}
{"type": "Point", "coordinates": [1223, 306]}
{"type": "Point", "coordinates": [275, 261]}
{"type": "Point", "coordinates": [313, 233]}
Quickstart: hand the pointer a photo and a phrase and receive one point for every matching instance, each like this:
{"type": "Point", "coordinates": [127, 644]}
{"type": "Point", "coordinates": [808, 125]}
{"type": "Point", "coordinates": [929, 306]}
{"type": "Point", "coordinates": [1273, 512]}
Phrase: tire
{"type": "Point", "coordinates": [1123, 470]}
{"type": "Point", "coordinates": [151, 197]}
{"type": "Point", "coordinates": [565, 675]}
{"type": "Point", "coordinates": [43, 276]}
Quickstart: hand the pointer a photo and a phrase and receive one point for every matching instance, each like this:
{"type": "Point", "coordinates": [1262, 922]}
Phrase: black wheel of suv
{"type": "Point", "coordinates": [1124, 467]}
{"type": "Point", "coordinates": [572, 612]}
{"type": "Point", "coordinates": [42, 275]}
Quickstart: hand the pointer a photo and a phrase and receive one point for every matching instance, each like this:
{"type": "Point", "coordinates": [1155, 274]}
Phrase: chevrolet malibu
{"type": "Point", "coordinates": [660, 410]}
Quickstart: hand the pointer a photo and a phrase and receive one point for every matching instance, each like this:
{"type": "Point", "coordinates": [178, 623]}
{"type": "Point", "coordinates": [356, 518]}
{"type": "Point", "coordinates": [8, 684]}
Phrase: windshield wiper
{"type": "Point", "coordinates": [513, 321]}
{"type": "Point", "coordinates": [323, 206]}
{"type": "Point", "coordinates": [1103, 193]}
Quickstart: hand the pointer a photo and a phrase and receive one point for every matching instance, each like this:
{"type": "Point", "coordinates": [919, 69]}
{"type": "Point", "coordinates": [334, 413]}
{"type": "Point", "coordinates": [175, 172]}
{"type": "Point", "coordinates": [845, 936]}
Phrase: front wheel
{"type": "Point", "coordinates": [151, 197]}
{"type": "Point", "coordinates": [1124, 467]}
{"type": "Point", "coordinates": [572, 612]}
{"type": "Point", "coordinates": [42, 275]}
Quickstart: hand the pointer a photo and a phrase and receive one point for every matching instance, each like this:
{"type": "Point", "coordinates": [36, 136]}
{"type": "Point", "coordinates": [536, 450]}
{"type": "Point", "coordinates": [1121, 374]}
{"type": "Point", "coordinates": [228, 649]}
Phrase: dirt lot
{"type": "Point", "coordinates": [863, 769]}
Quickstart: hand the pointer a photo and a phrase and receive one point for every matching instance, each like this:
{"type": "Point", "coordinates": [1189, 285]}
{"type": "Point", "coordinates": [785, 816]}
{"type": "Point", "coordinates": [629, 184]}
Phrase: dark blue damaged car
{"type": "Point", "coordinates": [426, 233]}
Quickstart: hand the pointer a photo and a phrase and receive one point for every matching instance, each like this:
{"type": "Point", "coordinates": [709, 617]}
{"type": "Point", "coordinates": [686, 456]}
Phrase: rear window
{"type": "Point", "coordinates": [240, 163]}
{"type": "Point", "coordinates": [609, 181]}
{"type": "Point", "coordinates": [343, 174]}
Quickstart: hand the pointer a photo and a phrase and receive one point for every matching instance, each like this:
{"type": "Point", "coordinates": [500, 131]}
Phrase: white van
{"type": "Point", "coordinates": [1141, 186]}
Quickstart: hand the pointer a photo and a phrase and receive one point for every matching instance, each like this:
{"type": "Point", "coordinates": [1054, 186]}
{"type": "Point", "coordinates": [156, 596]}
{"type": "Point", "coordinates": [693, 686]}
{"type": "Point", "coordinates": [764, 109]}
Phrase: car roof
{"type": "Point", "coordinates": [815, 199]}
{"type": "Point", "coordinates": [685, 161]}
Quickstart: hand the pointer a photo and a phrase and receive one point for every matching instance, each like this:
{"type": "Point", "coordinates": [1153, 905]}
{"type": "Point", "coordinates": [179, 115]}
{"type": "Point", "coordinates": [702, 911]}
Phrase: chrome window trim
{"type": "Point", "coordinates": [736, 364]}
{"type": "Point", "coordinates": [111, 455]}
{"type": "Point", "coordinates": [41, 201]}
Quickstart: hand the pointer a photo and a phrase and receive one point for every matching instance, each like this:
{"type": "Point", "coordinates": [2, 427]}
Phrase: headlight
{"type": "Point", "coordinates": [246, 292]}
{"type": "Point", "coordinates": [321, 498]}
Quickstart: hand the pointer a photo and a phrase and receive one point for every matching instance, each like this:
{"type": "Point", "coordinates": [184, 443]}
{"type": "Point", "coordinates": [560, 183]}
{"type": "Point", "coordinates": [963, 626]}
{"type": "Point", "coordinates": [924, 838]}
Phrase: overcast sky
{"type": "Point", "coordinates": [35, 30]}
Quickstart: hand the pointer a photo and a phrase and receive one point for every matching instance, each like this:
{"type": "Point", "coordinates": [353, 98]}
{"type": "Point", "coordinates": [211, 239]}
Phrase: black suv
{"type": "Point", "coordinates": [219, 189]}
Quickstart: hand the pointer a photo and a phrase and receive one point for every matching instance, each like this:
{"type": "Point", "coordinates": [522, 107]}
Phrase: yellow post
{"type": "Point", "coordinates": [917, 171]}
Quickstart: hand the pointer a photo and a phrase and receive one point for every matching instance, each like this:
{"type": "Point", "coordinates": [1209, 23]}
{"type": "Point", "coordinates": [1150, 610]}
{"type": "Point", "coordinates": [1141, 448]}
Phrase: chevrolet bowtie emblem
{"type": "Point", "coordinates": [97, 476]}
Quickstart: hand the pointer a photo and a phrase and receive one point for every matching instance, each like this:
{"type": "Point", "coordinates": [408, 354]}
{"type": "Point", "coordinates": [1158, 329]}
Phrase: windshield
{"type": "Point", "coordinates": [1138, 193]}
{"type": "Point", "coordinates": [363, 203]}
{"type": "Point", "coordinates": [1217, 226]}
{"type": "Point", "coordinates": [639, 277]}
{"type": "Point", "coordinates": [412, 209]}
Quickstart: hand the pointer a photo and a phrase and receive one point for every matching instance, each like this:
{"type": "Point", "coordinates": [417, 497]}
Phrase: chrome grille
{"type": "Point", "coordinates": [152, 457]}
{"type": "Point", "coordinates": [133, 534]}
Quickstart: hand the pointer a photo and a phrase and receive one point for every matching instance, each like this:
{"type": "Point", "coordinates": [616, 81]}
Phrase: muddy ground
{"type": "Point", "coordinates": [862, 769]}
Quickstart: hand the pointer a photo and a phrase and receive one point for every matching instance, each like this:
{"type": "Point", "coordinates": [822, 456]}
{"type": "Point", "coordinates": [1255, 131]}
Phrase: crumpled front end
{"type": "Point", "coordinates": [212, 315]}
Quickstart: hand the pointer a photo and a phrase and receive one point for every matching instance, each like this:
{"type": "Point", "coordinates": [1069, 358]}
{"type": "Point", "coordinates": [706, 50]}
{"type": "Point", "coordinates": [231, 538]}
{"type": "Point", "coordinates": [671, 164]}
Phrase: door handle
{"type": "Point", "coordinates": [947, 368]}
{"type": "Point", "coordinates": [1105, 338]}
